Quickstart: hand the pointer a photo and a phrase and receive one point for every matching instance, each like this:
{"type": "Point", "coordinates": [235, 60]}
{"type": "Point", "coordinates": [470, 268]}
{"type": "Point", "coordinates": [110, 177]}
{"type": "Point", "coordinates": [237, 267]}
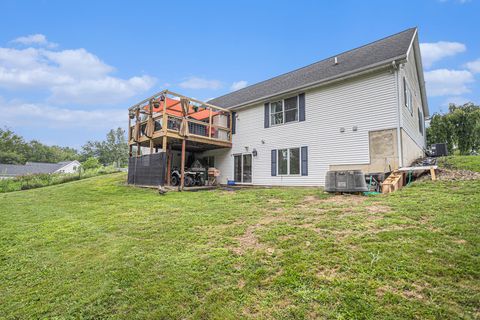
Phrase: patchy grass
{"type": "Point", "coordinates": [471, 163]}
{"type": "Point", "coordinates": [98, 249]}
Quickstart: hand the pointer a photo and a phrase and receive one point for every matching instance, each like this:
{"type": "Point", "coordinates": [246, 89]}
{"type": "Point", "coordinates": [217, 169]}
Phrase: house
{"type": "Point", "coordinates": [361, 109]}
{"type": "Point", "coordinates": [14, 170]}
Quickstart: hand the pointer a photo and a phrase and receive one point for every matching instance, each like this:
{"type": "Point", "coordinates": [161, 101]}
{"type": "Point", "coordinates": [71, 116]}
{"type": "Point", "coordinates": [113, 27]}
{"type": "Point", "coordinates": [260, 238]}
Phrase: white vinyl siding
{"type": "Point", "coordinates": [368, 102]}
{"type": "Point", "coordinates": [410, 119]}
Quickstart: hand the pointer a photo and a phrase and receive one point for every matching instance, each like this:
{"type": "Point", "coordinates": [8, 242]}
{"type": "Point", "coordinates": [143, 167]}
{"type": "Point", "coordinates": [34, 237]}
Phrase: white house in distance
{"type": "Point", "coordinates": [361, 109]}
{"type": "Point", "coordinates": [15, 170]}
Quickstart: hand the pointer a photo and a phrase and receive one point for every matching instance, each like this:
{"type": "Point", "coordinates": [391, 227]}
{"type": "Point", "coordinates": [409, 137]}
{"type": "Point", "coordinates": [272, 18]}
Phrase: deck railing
{"type": "Point", "coordinates": [215, 125]}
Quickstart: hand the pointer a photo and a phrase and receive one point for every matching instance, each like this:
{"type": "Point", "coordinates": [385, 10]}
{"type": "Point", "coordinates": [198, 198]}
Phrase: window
{"type": "Point", "coordinates": [294, 158]}
{"type": "Point", "coordinates": [284, 111]}
{"type": "Point", "coordinates": [291, 109]}
{"type": "Point", "coordinates": [288, 161]}
{"type": "Point", "coordinates": [276, 112]}
{"type": "Point", "coordinates": [407, 96]}
{"type": "Point", "coordinates": [420, 121]}
{"type": "Point", "coordinates": [283, 161]}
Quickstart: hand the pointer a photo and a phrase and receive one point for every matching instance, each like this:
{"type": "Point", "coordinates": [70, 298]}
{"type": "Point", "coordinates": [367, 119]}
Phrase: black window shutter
{"type": "Point", "coordinates": [266, 122]}
{"type": "Point", "coordinates": [301, 107]}
{"type": "Point", "coordinates": [234, 122]}
{"type": "Point", "coordinates": [274, 163]}
{"type": "Point", "coordinates": [304, 157]}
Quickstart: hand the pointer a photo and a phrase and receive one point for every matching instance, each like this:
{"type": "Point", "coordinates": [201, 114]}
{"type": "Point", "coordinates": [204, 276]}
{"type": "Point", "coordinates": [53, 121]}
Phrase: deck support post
{"type": "Point", "coordinates": [137, 120]}
{"type": "Point", "coordinates": [150, 116]}
{"type": "Point", "coordinates": [169, 164]}
{"type": "Point", "coordinates": [164, 117]}
{"type": "Point", "coordinates": [182, 167]}
{"type": "Point", "coordinates": [210, 124]}
{"type": "Point", "coordinates": [164, 144]}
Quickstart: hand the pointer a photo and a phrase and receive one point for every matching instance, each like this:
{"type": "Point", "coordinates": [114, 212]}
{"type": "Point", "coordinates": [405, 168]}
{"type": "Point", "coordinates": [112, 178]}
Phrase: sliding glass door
{"type": "Point", "coordinates": [242, 168]}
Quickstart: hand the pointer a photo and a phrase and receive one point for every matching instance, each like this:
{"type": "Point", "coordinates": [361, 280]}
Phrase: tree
{"type": "Point", "coordinates": [459, 128]}
{"type": "Point", "coordinates": [14, 149]}
{"type": "Point", "coordinates": [91, 163]}
{"type": "Point", "coordinates": [439, 131]}
{"type": "Point", "coordinates": [11, 158]}
{"type": "Point", "coordinates": [112, 151]}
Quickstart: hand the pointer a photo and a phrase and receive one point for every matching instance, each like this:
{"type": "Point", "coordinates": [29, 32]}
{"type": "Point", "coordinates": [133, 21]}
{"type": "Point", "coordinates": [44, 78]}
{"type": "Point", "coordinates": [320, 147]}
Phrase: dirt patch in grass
{"type": "Point", "coordinates": [329, 274]}
{"type": "Point", "coordinates": [415, 291]}
{"type": "Point", "coordinates": [345, 199]}
{"type": "Point", "coordinates": [309, 202]}
{"type": "Point", "coordinates": [378, 208]}
{"type": "Point", "coordinates": [248, 240]}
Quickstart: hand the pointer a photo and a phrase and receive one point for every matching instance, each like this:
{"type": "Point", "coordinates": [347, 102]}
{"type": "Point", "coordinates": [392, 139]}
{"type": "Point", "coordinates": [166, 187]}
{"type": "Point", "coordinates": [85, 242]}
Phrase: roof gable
{"type": "Point", "coordinates": [380, 51]}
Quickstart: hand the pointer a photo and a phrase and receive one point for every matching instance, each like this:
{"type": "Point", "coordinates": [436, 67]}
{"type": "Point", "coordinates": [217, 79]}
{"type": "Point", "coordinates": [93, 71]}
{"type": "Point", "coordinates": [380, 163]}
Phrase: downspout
{"type": "Point", "coordinates": [399, 116]}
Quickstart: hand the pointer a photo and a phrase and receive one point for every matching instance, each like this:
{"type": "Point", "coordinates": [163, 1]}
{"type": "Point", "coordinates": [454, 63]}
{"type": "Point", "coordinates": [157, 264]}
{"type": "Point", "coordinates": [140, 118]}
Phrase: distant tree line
{"type": "Point", "coordinates": [112, 151]}
{"type": "Point", "coordinates": [14, 149]}
{"type": "Point", "coordinates": [459, 128]}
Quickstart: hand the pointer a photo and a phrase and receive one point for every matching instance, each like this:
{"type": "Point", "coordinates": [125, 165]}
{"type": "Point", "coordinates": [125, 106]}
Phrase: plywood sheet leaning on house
{"type": "Point", "coordinates": [147, 170]}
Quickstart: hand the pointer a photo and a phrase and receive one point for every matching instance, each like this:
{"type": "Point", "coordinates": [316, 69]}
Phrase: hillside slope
{"type": "Point", "coordinates": [99, 249]}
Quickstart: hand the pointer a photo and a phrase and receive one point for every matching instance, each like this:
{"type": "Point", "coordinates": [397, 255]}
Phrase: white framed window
{"type": "Point", "coordinates": [288, 161]}
{"type": "Point", "coordinates": [283, 111]}
{"type": "Point", "coordinates": [276, 112]}
{"type": "Point", "coordinates": [407, 96]}
{"type": "Point", "coordinates": [421, 122]}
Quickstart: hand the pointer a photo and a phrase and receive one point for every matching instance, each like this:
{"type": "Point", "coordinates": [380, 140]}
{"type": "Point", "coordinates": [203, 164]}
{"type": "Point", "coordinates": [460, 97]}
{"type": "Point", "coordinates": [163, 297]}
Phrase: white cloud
{"type": "Point", "coordinates": [15, 113]}
{"type": "Point", "coordinates": [237, 85]}
{"type": "Point", "coordinates": [433, 52]}
{"type": "Point", "coordinates": [443, 82]}
{"type": "Point", "coordinates": [456, 100]}
{"type": "Point", "coordinates": [474, 66]}
{"type": "Point", "coordinates": [200, 83]}
{"type": "Point", "coordinates": [455, 1]}
{"type": "Point", "coordinates": [35, 39]}
{"type": "Point", "coordinates": [105, 90]}
{"type": "Point", "coordinates": [69, 76]}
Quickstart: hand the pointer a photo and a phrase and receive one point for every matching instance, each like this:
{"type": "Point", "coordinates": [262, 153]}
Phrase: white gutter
{"type": "Point", "coordinates": [399, 117]}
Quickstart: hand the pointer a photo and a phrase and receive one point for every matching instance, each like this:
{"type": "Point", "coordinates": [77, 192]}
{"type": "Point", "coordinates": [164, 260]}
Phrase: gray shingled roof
{"type": "Point", "coordinates": [12, 170]}
{"type": "Point", "coordinates": [381, 51]}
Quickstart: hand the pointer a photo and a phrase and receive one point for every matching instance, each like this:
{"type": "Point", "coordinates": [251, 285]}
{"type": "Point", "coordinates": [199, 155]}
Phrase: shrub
{"type": "Point", "coordinates": [43, 179]}
{"type": "Point", "coordinates": [91, 163]}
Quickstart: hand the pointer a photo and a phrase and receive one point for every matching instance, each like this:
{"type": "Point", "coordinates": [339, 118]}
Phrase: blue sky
{"type": "Point", "coordinates": [70, 69]}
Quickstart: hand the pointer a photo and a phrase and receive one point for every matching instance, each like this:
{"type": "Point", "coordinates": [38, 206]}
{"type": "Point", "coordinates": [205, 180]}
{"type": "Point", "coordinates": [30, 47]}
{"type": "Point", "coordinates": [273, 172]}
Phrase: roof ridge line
{"type": "Point", "coordinates": [313, 63]}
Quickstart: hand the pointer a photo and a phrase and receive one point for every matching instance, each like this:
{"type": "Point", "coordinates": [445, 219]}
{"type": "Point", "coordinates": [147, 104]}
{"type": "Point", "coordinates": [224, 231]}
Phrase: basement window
{"type": "Point", "coordinates": [284, 111]}
{"type": "Point", "coordinates": [288, 161]}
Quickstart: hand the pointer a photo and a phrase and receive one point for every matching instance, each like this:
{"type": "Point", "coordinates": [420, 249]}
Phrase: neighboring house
{"type": "Point", "coordinates": [14, 170]}
{"type": "Point", "coordinates": [362, 109]}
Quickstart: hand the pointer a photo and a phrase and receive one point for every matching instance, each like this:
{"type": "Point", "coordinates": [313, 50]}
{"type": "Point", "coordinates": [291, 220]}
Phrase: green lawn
{"type": "Point", "coordinates": [97, 249]}
{"type": "Point", "coordinates": [471, 163]}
